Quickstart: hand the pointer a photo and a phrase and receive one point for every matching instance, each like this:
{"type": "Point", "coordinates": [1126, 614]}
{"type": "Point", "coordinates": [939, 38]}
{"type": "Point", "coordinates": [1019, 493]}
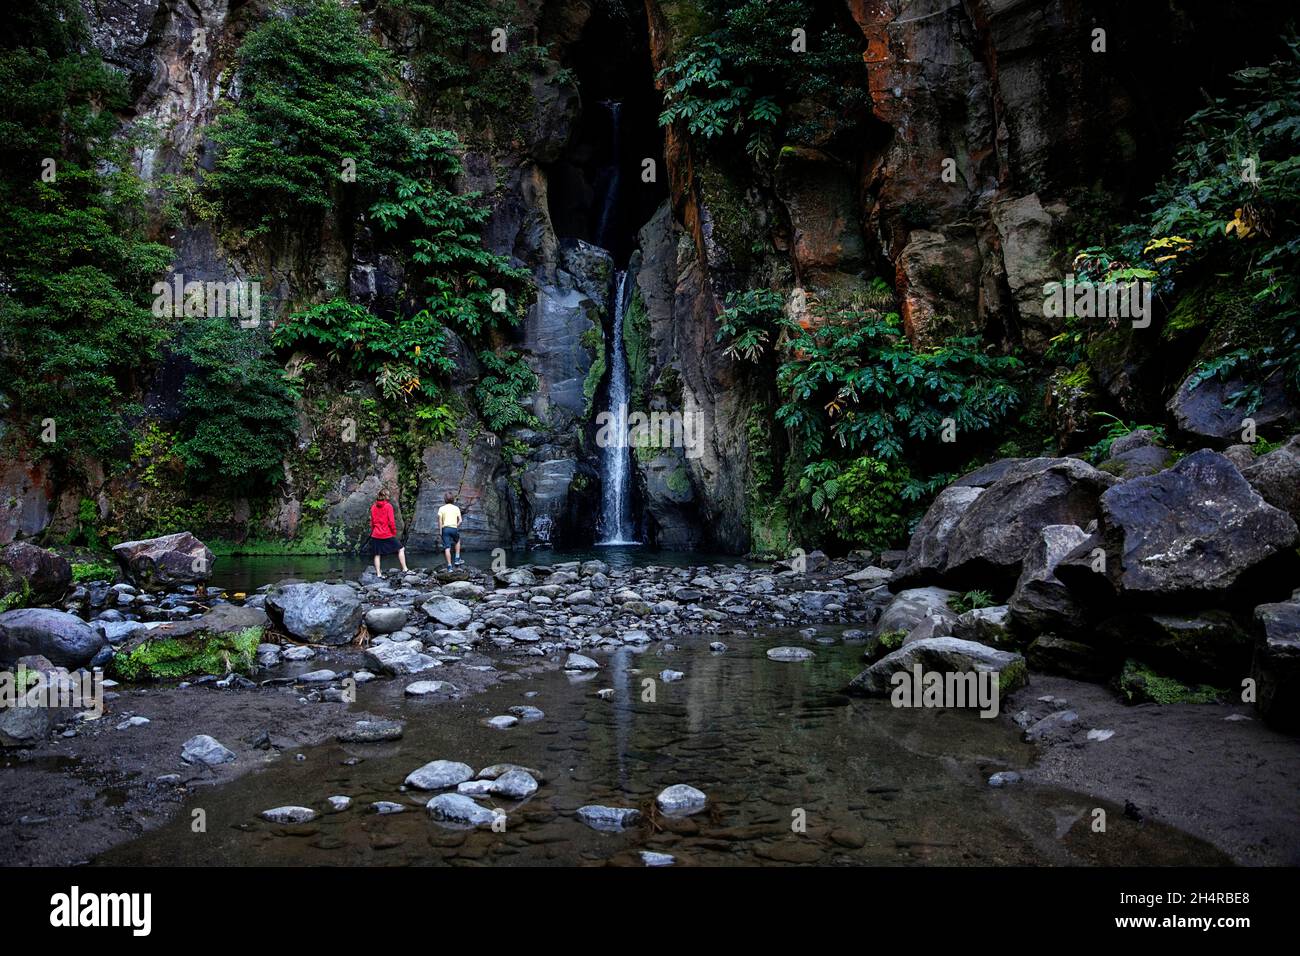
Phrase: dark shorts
{"type": "Point", "coordinates": [450, 536]}
{"type": "Point", "coordinates": [385, 545]}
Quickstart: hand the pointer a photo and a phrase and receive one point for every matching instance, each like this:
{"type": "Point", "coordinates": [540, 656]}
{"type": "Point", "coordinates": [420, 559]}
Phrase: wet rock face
{"type": "Point", "coordinates": [26, 493]}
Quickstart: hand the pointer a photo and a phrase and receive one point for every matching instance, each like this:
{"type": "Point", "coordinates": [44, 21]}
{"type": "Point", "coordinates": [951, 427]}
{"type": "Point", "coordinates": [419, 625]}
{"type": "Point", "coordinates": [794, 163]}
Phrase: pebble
{"type": "Point", "coordinates": [133, 722]}
{"type": "Point", "coordinates": [439, 775]}
{"type": "Point", "coordinates": [649, 858]}
{"type": "Point", "coordinates": [526, 713]}
{"type": "Point", "coordinates": [515, 784]}
{"type": "Point", "coordinates": [669, 677]}
{"type": "Point", "coordinates": [789, 654]}
{"type": "Point", "coordinates": [1100, 734]}
{"type": "Point", "coordinates": [290, 815]}
{"type": "Point", "coordinates": [681, 800]}
{"type": "Point", "coordinates": [501, 721]}
{"type": "Point", "coordinates": [425, 688]}
{"type": "Point", "coordinates": [458, 808]}
{"type": "Point", "coordinates": [577, 662]}
{"type": "Point", "coordinates": [384, 807]}
{"type": "Point", "coordinates": [338, 803]}
{"type": "Point", "coordinates": [1004, 778]}
{"type": "Point", "coordinates": [207, 750]}
{"type": "Point", "coordinates": [609, 819]}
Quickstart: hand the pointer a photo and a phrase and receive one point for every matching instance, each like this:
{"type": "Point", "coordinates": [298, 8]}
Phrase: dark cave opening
{"type": "Point", "coordinates": [597, 191]}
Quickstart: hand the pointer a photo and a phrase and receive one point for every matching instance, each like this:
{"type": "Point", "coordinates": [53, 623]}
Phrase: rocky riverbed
{"type": "Point", "coordinates": [569, 697]}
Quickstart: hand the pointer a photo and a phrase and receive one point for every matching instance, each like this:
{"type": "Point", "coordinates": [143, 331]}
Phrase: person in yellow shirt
{"type": "Point", "coordinates": [449, 526]}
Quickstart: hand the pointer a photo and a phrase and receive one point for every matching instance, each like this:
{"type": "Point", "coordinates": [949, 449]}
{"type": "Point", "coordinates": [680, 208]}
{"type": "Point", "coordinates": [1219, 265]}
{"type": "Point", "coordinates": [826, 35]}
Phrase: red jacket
{"type": "Point", "coordinates": [382, 522]}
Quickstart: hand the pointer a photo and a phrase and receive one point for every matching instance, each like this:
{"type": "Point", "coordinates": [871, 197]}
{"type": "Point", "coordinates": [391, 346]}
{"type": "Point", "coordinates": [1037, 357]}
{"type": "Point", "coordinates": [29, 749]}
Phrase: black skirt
{"type": "Point", "coordinates": [385, 545]}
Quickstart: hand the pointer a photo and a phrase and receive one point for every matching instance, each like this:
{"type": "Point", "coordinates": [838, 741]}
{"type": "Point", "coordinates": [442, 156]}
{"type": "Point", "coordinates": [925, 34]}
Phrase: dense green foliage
{"type": "Point", "coordinates": [75, 261]}
{"type": "Point", "coordinates": [237, 408]}
{"type": "Point", "coordinates": [507, 380]}
{"type": "Point", "coordinates": [1227, 217]}
{"type": "Point", "coordinates": [317, 122]}
{"type": "Point", "coordinates": [456, 66]}
{"type": "Point", "coordinates": [458, 284]}
{"type": "Point", "coordinates": [862, 405]}
{"type": "Point", "coordinates": [739, 78]}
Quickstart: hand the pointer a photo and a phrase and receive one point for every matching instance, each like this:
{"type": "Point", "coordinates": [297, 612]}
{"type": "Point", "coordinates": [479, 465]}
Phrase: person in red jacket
{"type": "Point", "coordinates": [383, 531]}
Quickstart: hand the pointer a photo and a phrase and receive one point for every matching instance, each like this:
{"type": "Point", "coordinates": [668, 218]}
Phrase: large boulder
{"type": "Point", "coordinates": [1040, 603]}
{"type": "Point", "coordinates": [927, 551]}
{"type": "Point", "coordinates": [318, 612]}
{"type": "Point", "coordinates": [942, 655]}
{"type": "Point", "coordinates": [223, 640]}
{"type": "Point", "coordinates": [1276, 667]}
{"type": "Point", "coordinates": [986, 543]}
{"type": "Point", "coordinates": [916, 607]}
{"type": "Point", "coordinates": [65, 639]}
{"type": "Point", "coordinates": [1196, 532]}
{"type": "Point", "coordinates": [172, 559]}
{"type": "Point", "coordinates": [1206, 410]}
{"type": "Point", "coordinates": [1276, 476]}
{"type": "Point", "coordinates": [36, 575]}
{"type": "Point", "coordinates": [1136, 462]}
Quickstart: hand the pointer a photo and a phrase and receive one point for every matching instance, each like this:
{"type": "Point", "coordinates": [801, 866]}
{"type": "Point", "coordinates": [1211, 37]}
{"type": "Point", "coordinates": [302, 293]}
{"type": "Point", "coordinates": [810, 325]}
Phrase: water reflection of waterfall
{"type": "Point", "coordinates": [615, 498]}
{"type": "Point", "coordinates": [615, 503]}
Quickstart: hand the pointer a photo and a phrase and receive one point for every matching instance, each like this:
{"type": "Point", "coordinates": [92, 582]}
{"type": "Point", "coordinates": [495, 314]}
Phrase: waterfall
{"type": "Point", "coordinates": [615, 502]}
{"type": "Point", "coordinates": [616, 471]}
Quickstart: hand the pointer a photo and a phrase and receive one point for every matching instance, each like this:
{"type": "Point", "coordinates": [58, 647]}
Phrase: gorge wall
{"type": "Point", "coordinates": [990, 132]}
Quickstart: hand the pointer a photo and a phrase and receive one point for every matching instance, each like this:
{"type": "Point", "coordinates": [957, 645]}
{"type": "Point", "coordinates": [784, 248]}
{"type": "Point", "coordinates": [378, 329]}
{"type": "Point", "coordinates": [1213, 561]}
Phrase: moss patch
{"type": "Point", "coordinates": [593, 340]}
{"type": "Point", "coordinates": [176, 657]}
{"type": "Point", "coordinates": [1139, 684]}
{"type": "Point", "coordinates": [636, 345]}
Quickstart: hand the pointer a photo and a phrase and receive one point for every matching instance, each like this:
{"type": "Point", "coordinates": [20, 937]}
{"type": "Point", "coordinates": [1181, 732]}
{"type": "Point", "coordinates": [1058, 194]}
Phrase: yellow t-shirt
{"type": "Point", "coordinates": [448, 516]}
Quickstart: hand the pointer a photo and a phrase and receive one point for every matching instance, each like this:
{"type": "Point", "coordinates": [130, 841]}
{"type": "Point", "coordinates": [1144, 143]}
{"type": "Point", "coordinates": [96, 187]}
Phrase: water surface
{"type": "Point", "coordinates": [772, 744]}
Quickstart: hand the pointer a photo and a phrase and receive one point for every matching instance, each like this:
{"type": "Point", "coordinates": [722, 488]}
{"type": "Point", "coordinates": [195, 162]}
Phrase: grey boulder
{"type": "Point", "coordinates": [439, 775]}
{"type": "Point", "coordinates": [64, 638]}
{"type": "Point", "coordinates": [942, 655]}
{"type": "Point", "coordinates": [326, 613]}
{"type": "Point", "coordinates": [171, 559]}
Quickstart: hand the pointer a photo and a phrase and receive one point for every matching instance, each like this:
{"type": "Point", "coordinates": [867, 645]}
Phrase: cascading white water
{"type": "Point", "coordinates": [615, 525]}
{"type": "Point", "coordinates": [615, 500]}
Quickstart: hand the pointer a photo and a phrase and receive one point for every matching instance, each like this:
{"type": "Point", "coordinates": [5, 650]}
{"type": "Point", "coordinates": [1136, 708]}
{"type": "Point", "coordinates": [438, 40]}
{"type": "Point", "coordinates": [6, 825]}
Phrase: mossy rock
{"type": "Point", "coordinates": [1139, 684]}
{"type": "Point", "coordinates": [172, 657]}
{"type": "Point", "coordinates": [882, 644]}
